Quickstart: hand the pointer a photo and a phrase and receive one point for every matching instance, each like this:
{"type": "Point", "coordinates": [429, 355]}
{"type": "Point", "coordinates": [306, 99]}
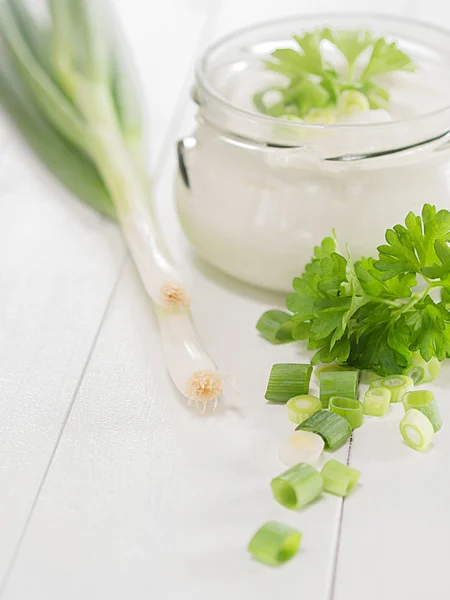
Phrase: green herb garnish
{"type": "Point", "coordinates": [376, 314]}
{"type": "Point", "coordinates": [316, 84]}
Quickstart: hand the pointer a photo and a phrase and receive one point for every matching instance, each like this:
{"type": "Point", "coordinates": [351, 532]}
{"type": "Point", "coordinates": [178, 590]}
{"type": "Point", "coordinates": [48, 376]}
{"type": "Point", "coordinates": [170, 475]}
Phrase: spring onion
{"type": "Point", "coordinates": [351, 102]}
{"type": "Point", "coordinates": [424, 401]}
{"type": "Point", "coordinates": [68, 88]}
{"type": "Point", "coordinates": [339, 479]}
{"type": "Point", "coordinates": [422, 371]}
{"type": "Point", "coordinates": [348, 408]}
{"type": "Point", "coordinates": [334, 429]}
{"type": "Point", "coordinates": [275, 543]}
{"type": "Point", "coordinates": [300, 408]}
{"type": "Point", "coordinates": [321, 116]}
{"type": "Point", "coordinates": [275, 326]}
{"type": "Point", "coordinates": [376, 401]}
{"type": "Point", "coordinates": [288, 380]}
{"type": "Point", "coordinates": [398, 385]}
{"type": "Point", "coordinates": [298, 486]}
{"type": "Point", "coordinates": [416, 430]}
{"type": "Point", "coordinates": [301, 447]}
{"type": "Point", "coordinates": [338, 383]}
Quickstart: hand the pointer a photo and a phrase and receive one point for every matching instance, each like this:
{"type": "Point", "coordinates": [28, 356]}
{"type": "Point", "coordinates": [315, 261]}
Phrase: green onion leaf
{"type": "Point", "coordinates": [376, 401]}
{"type": "Point", "coordinates": [416, 430]}
{"type": "Point", "coordinates": [334, 429]}
{"type": "Point", "coordinates": [275, 326]}
{"type": "Point", "coordinates": [72, 167]}
{"type": "Point", "coordinates": [338, 383]}
{"type": "Point", "coordinates": [398, 385]}
{"type": "Point", "coordinates": [348, 408]}
{"type": "Point", "coordinates": [288, 380]}
{"type": "Point", "coordinates": [52, 101]}
{"type": "Point", "coordinates": [297, 486]}
{"type": "Point", "coordinates": [339, 479]}
{"type": "Point", "coordinates": [274, 543]}
{"type": "Point", "coordinates": [424, 401]}
{"type": "Point", "coordinates": [301, 407]}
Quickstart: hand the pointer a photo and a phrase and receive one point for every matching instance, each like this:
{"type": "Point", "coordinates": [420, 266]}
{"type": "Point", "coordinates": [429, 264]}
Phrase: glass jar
{"type": "Point", "coordinates": [255, 193]}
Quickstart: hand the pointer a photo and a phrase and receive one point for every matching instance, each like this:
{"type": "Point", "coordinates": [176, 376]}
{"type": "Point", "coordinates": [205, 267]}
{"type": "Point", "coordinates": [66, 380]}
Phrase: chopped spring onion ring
{"type": "Point", "coordinates": [339, 479]}
{"type": "Point", "coordinates": [275, 326]}
{"type": "Point", "coordinates": [334, 429]}
{"type": "Point", "coordinates": [274, 543]}
{"type": "Point", "coordinates": [321, 116]}
{"type": "Point", "coordinates": [416, 430]}
{"type": "Point", "coordinates": [301, 447]}
{"type": "Point", "coordinates": [424, 401]}
{"type": "Point", "coordinates": [422, 371]}
{"type": "Point", "coordinates": [348, 408]}
{"type": "Point", "coordinates": [338, 383]}
{"type": "Point", "coordinates": [288, 380]}
{"type": "Point", "coordinates": [376, 401]}
{"type": "Point", "coordinates": [351, 102]}
{"type": "Point", "coordinates": [330, 368]}
{"type": "Point", "coordinates": [397, 384]}
{"type": "Point", "coordinates": [297, 486]}
{"type": "Point", "coordinates": [300, 408]}
{"type": "Point", "coordinates": [367, 377]}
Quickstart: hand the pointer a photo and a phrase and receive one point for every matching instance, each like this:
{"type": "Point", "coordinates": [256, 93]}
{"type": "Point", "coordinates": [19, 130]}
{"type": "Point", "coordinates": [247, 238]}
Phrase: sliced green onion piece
{"type": "Point", "coordinates": [416, 430]}
{"type": "Point", "coordinates": [334, 429]}
{"type": "Point", "coordinates": [351, 102]}
{"type": "Point", "coordinates": [424, 401]}
{"type": "Point", "coordinates": [339, 479]}
{"type": "Point", "coordinates": [348, 408]}
{"type": "Point", "coordinates": [398, 385]}
{"type": "Point", "coordinates": [338, 383]}
{"type": "Point", "coordinates": [289, 117]}
{"type": "Point", "coordinates": [275, 326]}
{"type": "Point", "coordinates": [301, 447]}
{"type": "Point", "coordinates": [331, 368]}
{"type": "Point", "coordinates": [288, 380]}
{"type": "Point", "coordinates": [367, 377]}
{"type": "Point", "coordinates": [300, 408]}
{"type": "Point", "coordinates": [274, 543]}
{"type": "Point", "coordinates": [422, 371]}
{"type": "Point", "coordinates": [376, 401]}
{"type": "Point", "coordinates": [321, 116]}
{"type": "Point", "coordinates": [298, 486]}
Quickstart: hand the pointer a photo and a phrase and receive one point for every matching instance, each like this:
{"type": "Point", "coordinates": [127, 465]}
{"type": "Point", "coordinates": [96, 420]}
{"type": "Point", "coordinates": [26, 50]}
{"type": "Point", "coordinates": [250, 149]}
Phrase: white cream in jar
{"type": "Point", "coordinates": [257, 193]}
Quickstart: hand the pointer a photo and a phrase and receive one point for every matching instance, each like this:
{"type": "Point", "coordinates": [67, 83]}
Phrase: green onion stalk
{"type": "Point", "coordinates": [69, 89]}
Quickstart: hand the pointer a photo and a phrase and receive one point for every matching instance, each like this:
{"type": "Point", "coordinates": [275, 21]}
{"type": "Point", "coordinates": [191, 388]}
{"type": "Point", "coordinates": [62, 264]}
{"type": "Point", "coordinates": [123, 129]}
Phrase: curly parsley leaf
{"type": "Point", "coordinates": [350, 43]}
{"type": "Point", "coordinates": [374, 314]}
{"type": "Point", "coordinates": [314, 84]}
{"type": "Point", "coordinates": [412, 248]}
{"type": "Point", "coordinates": [385, 58]}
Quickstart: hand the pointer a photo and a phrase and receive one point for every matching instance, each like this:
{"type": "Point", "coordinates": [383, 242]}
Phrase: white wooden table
{"type": "Point", "coordinates": [109, 486]}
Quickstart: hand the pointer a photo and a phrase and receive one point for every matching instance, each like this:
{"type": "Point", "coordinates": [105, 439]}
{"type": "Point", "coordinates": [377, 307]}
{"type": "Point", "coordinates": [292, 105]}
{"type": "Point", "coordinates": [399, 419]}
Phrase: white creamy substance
{"type": "Point", "coordinates": [257, 213]}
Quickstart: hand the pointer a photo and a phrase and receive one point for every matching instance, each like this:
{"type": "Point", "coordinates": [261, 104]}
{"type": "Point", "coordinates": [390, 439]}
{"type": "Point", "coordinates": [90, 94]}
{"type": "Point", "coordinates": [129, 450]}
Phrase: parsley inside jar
{"type": "Point", "coordinates": [312, 125]}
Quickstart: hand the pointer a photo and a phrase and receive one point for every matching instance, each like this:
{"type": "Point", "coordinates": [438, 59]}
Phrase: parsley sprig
{"type": "Point", "coordinates": [314, 84]}
{"type": "Point", "coordinates": [374, 314]}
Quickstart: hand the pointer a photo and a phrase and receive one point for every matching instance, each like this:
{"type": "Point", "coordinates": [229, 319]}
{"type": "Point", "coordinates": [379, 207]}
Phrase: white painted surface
{"type": "Point", "coordinates": [110, 486]}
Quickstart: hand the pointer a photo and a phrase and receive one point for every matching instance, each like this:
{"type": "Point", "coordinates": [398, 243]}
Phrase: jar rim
{"type": "Point", "coordinates": [205, 86]}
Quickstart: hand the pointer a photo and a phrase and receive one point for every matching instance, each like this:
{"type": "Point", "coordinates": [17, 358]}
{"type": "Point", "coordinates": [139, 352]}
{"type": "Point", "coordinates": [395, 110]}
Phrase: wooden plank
{"type": "Point", "coordinates": [59, 266]}
{"type": "Point", "coordinates": [397, 522]}
{"type": "Point", "coordinates": [145, 497]}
